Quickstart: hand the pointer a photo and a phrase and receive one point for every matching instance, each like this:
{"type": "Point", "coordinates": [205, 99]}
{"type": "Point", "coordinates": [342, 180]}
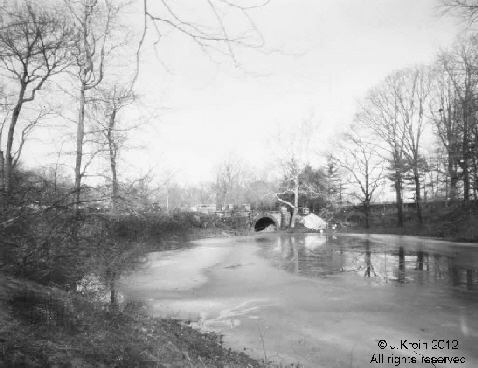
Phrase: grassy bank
{"type": "Point", "coordinates": [47, 327]}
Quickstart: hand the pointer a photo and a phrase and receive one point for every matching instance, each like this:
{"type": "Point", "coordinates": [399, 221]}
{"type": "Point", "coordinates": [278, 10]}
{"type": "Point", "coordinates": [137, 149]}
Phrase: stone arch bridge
{"type": "Point", "coordinates": [263, 219]}
{"type": "Point", "coordinates": [256, 220]}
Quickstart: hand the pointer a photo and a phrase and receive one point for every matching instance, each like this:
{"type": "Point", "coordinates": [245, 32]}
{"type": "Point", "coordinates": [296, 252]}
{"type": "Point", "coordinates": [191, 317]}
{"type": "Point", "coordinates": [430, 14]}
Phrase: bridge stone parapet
{"type": "Point", "coordinates": [257, 220]}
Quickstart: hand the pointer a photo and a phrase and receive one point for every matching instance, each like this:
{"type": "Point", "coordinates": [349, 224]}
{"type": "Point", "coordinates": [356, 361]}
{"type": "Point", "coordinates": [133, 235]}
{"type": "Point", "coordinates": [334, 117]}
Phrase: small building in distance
{"type": "Point", "coordinates": [204, 208]}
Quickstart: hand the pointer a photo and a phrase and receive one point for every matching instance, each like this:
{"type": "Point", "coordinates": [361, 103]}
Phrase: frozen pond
{"type": "Point", "coordinates": [324, 301]}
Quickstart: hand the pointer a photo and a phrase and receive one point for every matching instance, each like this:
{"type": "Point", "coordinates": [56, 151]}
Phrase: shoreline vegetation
{"type": "Point", "coordinates": [46, 322]}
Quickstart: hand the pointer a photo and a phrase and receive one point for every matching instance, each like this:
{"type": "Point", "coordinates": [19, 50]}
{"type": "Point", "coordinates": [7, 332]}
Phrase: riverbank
{"type": "Point", "coordinates": [47, 327]}
{"type": "Point", "coordinates": [458, 223]}
{"type": "Point", "coordinates": [466, 235]}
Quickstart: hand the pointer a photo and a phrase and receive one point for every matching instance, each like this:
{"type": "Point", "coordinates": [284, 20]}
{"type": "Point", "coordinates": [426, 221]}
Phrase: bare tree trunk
{"type": "Point", "coordinates": [367, 197]}
{"type": "Point", "coordinates": [464, 162]}
{"type": "Point", "coordinates": [2, 182]}
{"type": "Point", "coordinates": [475, 161]}
{"type": "Point", "coordinates": [296, 201]}
{"type": "Point", "coordinates": [467, 120]}
{"type": "Point", "coordinates": [80, 134]}
{"type": "Point", "coordinates": [114, 189]}
{"type": "Point", "coordinates": [114, 186]}
{"type": "Point", "coordinates": [366, 207]}
{"type": "Point", "coordinates": [466, 181]}
{"type": "Point", "coordinates": [114, 174]}
{"type": "Point", "coordinates": [453, 178]}
{"type": "Point", "coordinates": [397, 183]}
{"type": "Point", "coordinates": [475, 184]}
{"type": "Point", "coordinates": [8, 165]}
{"type": "Point", "coordinates": [418, 197]}
{"type": "Point", "coordinates": [398, 196]}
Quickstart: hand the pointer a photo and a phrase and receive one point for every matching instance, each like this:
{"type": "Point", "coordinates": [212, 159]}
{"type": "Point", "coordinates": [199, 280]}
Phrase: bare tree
{"type": "Point", "coordinates": [94, 22]}
{"type": "Point", "coordinates": [206, 192]}
{"type": "Point", "coordinates": [455, 100]}
{"type": "Point", "coordinates": [444, 110]}
{"type": "Point", "coordinates": [437, 182]}
{"type": "Point", "coordinates": [412, 102]}
{"type": "Point", "coordinates": [380, 114]}
{"type": "Point", "coordinates": [111, 132]}
{"type": "Point", "coordinates": [34, 46]}
{"type": "Point", "coordinates": [258, 192]}
{"type": "Point", "coordinates": [465, 81]}
{"type": "Point", "coordinates": [5, 113]}
{"type": "Point", "coordinates": [207, 25]}
{"type": "Point", "coordinates": [365, 169]}
{"type": "Point", "coordinates": [228, 176]}
{"type": "Point", "coordinates": [293, 152]}
{"type": "Point", "coordinates": [466, 9]}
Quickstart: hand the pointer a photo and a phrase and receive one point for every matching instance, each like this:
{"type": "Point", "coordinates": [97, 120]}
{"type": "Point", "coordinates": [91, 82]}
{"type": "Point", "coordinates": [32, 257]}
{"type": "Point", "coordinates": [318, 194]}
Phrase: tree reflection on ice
{"type": "Point", "coordinates": [400, 260]}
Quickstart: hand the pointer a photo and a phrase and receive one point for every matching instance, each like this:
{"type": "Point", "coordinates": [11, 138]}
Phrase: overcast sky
{"type": "Point", "coordinates": [333, 52]}
{"type": "Point", "coordinates": [338, 50]}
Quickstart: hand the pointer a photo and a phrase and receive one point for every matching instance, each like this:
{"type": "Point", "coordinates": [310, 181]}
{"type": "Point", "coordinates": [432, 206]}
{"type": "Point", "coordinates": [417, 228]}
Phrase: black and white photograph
{"type": "Point", "coordinates": [238, 183]}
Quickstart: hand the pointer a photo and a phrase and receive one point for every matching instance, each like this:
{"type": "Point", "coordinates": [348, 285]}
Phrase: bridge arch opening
{"type": "Point", "coordinates": [264, 222]}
